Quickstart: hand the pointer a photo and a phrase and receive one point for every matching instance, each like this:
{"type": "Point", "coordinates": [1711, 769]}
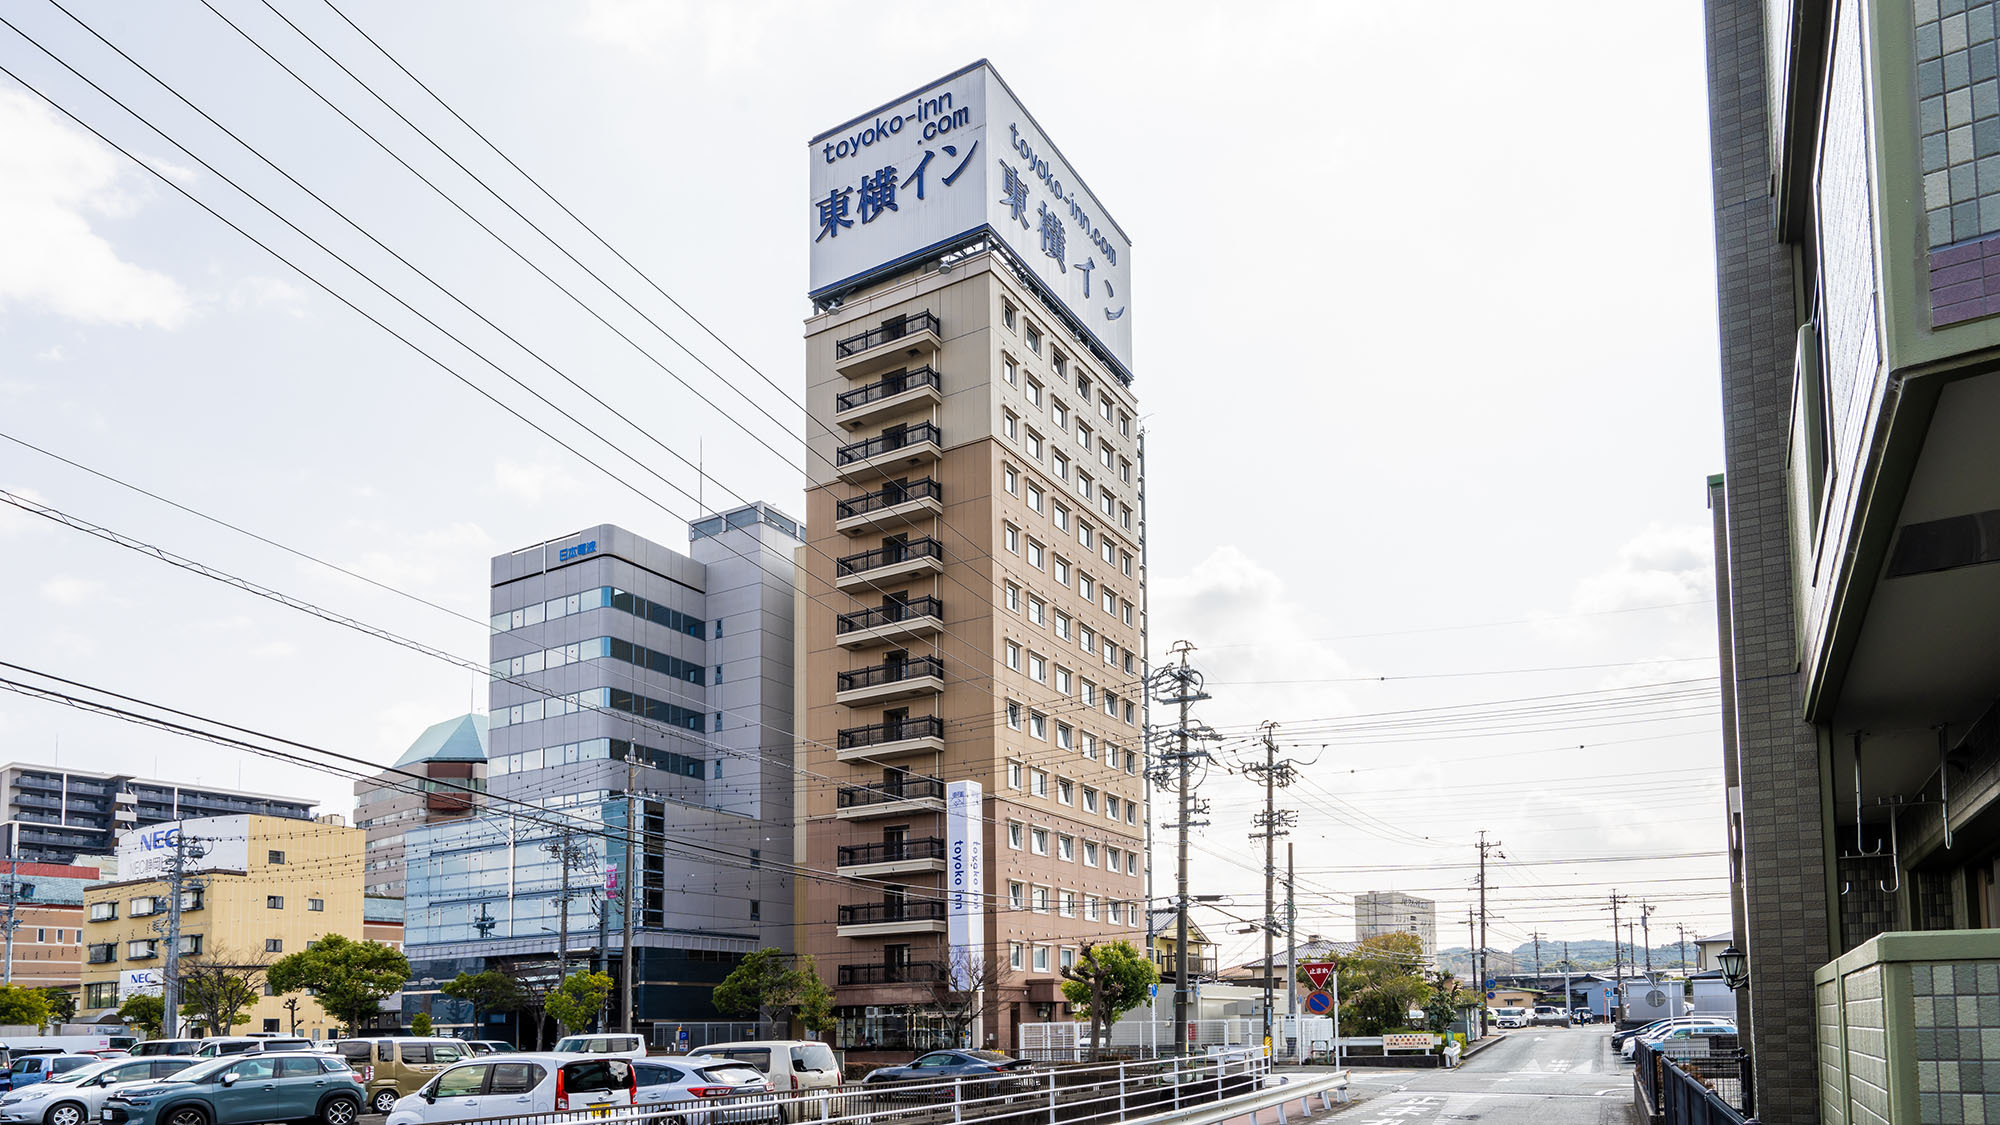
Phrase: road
{"type": "Point", "coordinates": [1537, 1076]}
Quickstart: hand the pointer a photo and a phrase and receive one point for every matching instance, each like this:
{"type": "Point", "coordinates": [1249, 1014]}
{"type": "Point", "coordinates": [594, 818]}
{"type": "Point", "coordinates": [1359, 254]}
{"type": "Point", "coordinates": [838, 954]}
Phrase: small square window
{"type": "Point", "coordinates": [1061, 571]}
{"type": "Point", "coordinates": [1038, 668]}
{"type": "Point", "coordinates": [1059, 414]}
{"type": "Point", "coordinates": [316, 905]}
{"type": "Point", "coordinates": [1013, 715]}
{"type": "Point", "coordinates": [1034, 445]}
{"type": "Point", "coordinates": [1090, 806]}
{"type": "Point", "coordinates": [1038, 782]}
{"type": "Point", "coordinates": [1014, 598]}
{"type": "Point", "coordinates": [274, 902]}
{"type": "Point", "coordinates": [1007, 369]}
{"type": "Point", "coordinates": [1034, 339]}
{"type": "Point", "coordinates": [1034, 498]}
{"type": "Point", "coordinates": [1069, 955]}
{"type": "Point", "coordinates": [1059, 466]}
{"type": "Point", "coordinates": [1034, 392]}
{"type": "Point", "coordinates": [1065, 736]}
{"type": "Point", "coordinates": [1012, 537]}
{"type": "Point", "coordinates": [1010, 479]}
{"type": "Point", "coordinates": [1010, 425]}
{"type": "Point", "coordinates": [1014, 834]}
{"type": "Point", "coordinates": [1065, 791]}
{"type": "Point", "coordinates": [1007, 314]}
{"type": "Point", "coordinates": [274, 857]}
{"type": "Point", "coordinates": [1038, 725]}
{"type": "Point", "coordinates": [274, 945]}
{"type": "Point", "coordinates": [1066, 848]}
{"type": "Point", "coordinates": [1042, 951]}
{"type": "Point", "coordinates": [1040, 837]}
{"type": "Point", "coordinates": [1035, 554]}
{"type": "Point", "coordinates": [1061, 517]}
{"type": "Point", "coordinates": [1016, 776]}
{"type": "Point", "coordinates": [1013, 656]}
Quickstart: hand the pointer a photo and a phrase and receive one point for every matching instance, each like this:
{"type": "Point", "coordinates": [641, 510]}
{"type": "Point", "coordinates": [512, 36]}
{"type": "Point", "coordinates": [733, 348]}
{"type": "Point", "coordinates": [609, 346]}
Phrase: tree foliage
{"type": "Point", "coordinates": [220, 991]}
{"type": "Point", "coordinates": [772, 986]}
{"type": "Point", "coordinates": [489, 993]}
{"type": "Point", "coordinates": [1446, 999]}
{"type": "Point", "coordinates": [62, 1004]}
{"type": "Point", "coordinates": [420, 1024]}
{"type": "Point", "coordinates": [144, 1012]}
{"type": "Point", "coordinates": [1107, 981]}
{"type": "Point", "coordinates": [349, 978]}
{"type": "Point", "coordinates": [958, 992]}
{"type": "Point", "coordinates": [576, 1002]}
{"type": "Point", "coordinates": [22, 1005]}
{"type": "Point", "coordinates": [1380, 981]}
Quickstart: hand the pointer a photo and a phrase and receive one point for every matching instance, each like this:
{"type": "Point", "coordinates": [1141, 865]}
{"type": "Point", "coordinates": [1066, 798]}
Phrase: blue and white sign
{"type": "Point", "coordinates": [215, 843]}
{"type": "Point", "coordinates": [965, 878]}
{"type": "Point", "coordinates": [951, 159]}
{"type": "Point", "coordinates": [576, 551]}
{"type": "Point", "coordinates": [138, 982]}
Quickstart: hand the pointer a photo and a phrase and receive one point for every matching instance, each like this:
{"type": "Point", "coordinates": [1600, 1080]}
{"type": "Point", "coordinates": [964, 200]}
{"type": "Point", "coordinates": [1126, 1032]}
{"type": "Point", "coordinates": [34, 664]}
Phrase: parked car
{"type": "Point", "coordinates": [519, 1085]}
{"type": "Point", "coordinates": [31, 1069]}
{"type": "Point", "coordinates": [945, 1065]}
{"type": "Point", "coordinates": [1511, 1017]}
{"type": "Point", "coordinates": [75, 1097]}
{"type": "Point", "coordinates": [789, 1065]}
{"type": "Point", "coordinates": [681, 1088]}
{"type": "Point", "coordinates": [490, 1046]}
{"type": "Point", "coordinates": [1548, 1015]}
{"type": "Point", "coordinates": [1710, 1026]}
{"type": "Point", "coordinates": [265, 1086]}
{"type": "Point", "coordinates": [620, 1046]}
{"type": "Point", "coordinates": [166, 1047]}
{"type": "Point", "coordinates": [1618, 1038]}
{"type": "Point", "coordinates": [1582, 1015]}
{"type": "Point", "coordinates": [221, 1045]}
{"type": "Point", "coordinates": [391, 1066]}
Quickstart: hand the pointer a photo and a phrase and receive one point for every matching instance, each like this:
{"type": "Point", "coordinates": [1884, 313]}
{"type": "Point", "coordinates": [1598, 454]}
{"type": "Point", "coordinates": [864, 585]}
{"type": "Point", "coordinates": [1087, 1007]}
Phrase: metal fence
{"type": "Point", "coordinates": [667, 1036]}
{"type": "Point", "coordinates": [1705, 1084]}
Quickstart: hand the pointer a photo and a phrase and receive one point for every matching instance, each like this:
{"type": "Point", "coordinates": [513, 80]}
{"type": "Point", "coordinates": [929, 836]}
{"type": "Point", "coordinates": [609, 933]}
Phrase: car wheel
{"type": "Point", "coordinates": [337, 1111]}
{"type": "Point", "coordinates": [68, 1113]}
{"type": "Point", "coordinates": [385, 1100]}
{"type": "Point", "coordinates": [186, 1115]}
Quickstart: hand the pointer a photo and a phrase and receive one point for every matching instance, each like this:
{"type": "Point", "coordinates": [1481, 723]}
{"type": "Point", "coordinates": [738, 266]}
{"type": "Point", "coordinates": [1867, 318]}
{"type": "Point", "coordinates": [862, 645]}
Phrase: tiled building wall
{"type": "Point", "coordinates": [1958, 82]}
{"type": "Point", "coordinates": [1786, 908]}
{"type": "Point", "coordinates": [1865, 908]}
{"type": "Point", "coordinates": [1866, 1039]}
{"type": "Point", "coordinates": [1832, 1056]}
{"type": "Point", "coordinates": [1957, 1016]}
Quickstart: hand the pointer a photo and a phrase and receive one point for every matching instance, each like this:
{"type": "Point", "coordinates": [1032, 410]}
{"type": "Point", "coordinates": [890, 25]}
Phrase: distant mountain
{"type": "Point", "coordinates": [1585, 955]}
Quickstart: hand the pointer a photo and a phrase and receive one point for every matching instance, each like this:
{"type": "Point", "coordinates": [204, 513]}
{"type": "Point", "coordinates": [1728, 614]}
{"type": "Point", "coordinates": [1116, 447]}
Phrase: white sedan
{"type": "Point", "coordinates": [1677, 1032]}
{"type": "Point", "coordinates": [75, 1096]}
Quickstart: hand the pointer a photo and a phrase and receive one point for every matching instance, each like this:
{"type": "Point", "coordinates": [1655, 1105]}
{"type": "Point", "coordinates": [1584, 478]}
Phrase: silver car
{"type": "Point", "coordinates": [74, 1097]}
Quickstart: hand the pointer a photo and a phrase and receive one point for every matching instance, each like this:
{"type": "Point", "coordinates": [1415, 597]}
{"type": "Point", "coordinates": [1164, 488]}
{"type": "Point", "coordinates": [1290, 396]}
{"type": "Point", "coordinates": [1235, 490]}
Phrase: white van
{"type": "Point", "coordinates": [601, 1046]}
{"type": "Point", "coordinates": [520, 1086]}
{"type": "Point", "coordinates": [790, 1065]}
{"type": "Point", "coordinates": [1512, 1017]}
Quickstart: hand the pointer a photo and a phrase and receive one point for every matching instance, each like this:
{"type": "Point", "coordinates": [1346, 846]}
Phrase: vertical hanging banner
{"type": "Point", "coordinates": [965, 879]}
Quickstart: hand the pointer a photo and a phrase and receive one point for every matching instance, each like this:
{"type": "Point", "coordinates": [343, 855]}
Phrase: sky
{"type": "Point", "coordinates": [1424, 323]}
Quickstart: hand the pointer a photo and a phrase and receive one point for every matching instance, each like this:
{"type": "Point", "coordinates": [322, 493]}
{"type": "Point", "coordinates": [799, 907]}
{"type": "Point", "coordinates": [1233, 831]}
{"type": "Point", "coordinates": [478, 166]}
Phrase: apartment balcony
{"type": "Point", "coordinates": [899, 621]}
{"type": "Point", "coordinates": [922, 735]}
{"type": "Point", "coordinates": [893, 452]}
{"type": "Point", "coordinates": [887, 919]}
{"type": "Point", "coordinates": [903, 972]}
{"type": "Point", "coordinates": [889, 507]}
{"type": "Point", "coordinates": [904, 796]}
{"type": "Point", "coordinates": [892, 563]}
{"type": "Point", "coordinates": [897, 857]}
{"type": "Point", "coordinates": [886, 683]}
{"type": "Point", "coordinates": [888, 344]}
{"type": "Point", "coordinates": [895, 393]}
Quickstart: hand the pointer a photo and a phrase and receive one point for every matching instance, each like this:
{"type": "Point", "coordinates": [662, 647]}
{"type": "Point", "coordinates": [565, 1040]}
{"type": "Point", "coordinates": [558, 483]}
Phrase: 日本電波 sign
{"type": "Point", "coordinates": [958, 157]}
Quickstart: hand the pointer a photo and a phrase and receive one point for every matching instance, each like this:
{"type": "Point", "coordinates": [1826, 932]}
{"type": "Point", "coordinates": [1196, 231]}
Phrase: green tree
{"type": "Point", "coordinates": [349, 978]}
{"type": "Point", "coordinates": [1107, 981]}
{"type": "Point", "coordinates": [1380, 981]}
{"type": "Point", "coordinates": [22, 1005]}
{"type": "Point", "coordinates": [62, 1004]}
{"type": "Point", "coordinates": [772, 986]}
{"type": "Point", "coordinates": [489, 993]}
{"type": "Point", "coordinates": [420, 1024]}
{"type": "Point", "coordinates": [144, 1012]}
{"type": "Point", "coordinates": [1446, 999]}
{"type": "Point", "coordinates": [220, 993]}
{"type": "Point", "coordinates": [577, 1001]}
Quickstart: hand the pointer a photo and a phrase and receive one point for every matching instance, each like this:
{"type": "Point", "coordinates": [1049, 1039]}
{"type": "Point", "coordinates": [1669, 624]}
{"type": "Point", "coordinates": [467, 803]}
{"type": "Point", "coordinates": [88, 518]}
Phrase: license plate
{"type": "Point", "coordinates": [602, 1111]}
{"type": "Point", "coordinates": [104, 1115]}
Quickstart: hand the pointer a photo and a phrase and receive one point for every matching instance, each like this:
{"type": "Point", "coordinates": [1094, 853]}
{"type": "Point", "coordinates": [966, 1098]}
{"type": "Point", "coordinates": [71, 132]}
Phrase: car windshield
{"type": "Point", "coordinates": [987, 1056]}
{"type": "Point", "coordinates": [88, 1070]}
{"type": "Point", "coordinates": [759, 1057]}
{"type": "Point", "coordinates": [736, 1074]}
{"type": "Point", "coordinates": [206, 1069]}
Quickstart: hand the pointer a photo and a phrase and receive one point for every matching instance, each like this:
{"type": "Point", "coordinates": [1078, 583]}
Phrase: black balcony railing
{"type": "Point", "coordinates": [895, 328]}
{"type": "Point", "coordinates": [925, 548]}
{"type": "Point", "coordinates": [888, 496]}
{"type": "Point", "coordinates": [894, 672]}
{"type": "Point", "coordinates": [890, 851]}
{"type": "Point", "coordinates": [905, 910]}
{"type": "Point", "coordinates": [888, 614]}
{"type": "Point", "coordinates": [906, 788]}
{"type": "Point", "coordinates": [855, 738]}
{"type": "Point", "coordinates": [905, 972]}
{"type": "Point", "coordinates": [918, 434]}
{"type": "Point", "coordinates": [887, 387]}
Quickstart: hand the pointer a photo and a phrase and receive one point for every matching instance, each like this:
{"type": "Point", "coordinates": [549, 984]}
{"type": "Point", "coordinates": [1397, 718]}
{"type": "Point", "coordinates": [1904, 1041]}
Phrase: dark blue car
{"type": "Point", "coordinates": [943, 1066]}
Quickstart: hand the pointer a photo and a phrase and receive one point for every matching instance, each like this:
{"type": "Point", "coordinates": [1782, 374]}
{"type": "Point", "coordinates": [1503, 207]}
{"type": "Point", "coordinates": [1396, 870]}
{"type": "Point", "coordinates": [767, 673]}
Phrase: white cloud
{"type": "Point", "coordinates": [533, 481]}
{"type": "Point", "coordinates": [51, 354]}
{"type": "Point", "coordinates": [724, 36]}
{"type": "Point", "coordinates": [51, 175]}
{"type": "Point", "coordinates": [67, 589]}
{"type": "Point", "coordinates": [256, 292]}
{"type": "Point", "coordinates": [1225, 601]}
{"type": "Point", "coordinates": [433, 558]}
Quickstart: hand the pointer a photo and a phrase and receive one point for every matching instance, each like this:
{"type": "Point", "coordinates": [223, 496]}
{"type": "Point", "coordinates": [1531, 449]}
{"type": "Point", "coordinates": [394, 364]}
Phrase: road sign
{"type": "Point", "coordinates": [1318, 972]}
{"type": "Point", "coordinates": [1319, 1003]}
{"type": "Point", "coordinates": [1490, 996]}
{"type": "Point", "coordinates": [1491, 983]}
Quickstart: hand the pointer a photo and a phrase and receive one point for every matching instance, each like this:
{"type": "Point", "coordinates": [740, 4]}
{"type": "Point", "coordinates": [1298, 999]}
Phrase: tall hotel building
{"type": "Point", "coordinates": [971, 630]}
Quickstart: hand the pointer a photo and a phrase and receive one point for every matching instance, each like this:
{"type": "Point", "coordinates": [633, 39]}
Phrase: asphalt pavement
{"type": "Point", "coordinates": [1533, 1076]}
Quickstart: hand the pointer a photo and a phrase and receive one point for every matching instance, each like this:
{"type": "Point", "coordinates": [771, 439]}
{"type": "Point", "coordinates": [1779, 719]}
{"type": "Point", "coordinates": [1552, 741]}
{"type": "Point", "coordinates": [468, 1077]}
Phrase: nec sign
{"type": "Point", "coordinates": [577, 552]}
{"type": "Point", "coordinates": [159, 839]}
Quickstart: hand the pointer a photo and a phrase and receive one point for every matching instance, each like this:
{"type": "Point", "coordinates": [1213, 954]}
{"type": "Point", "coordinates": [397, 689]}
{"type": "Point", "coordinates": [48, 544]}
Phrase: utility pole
{"type": "Point", "coordinates": [1646, 928]}
{"type": "Point", "coordinates": [185, 848]}
{"type": "Point", "coordinates": [1292, 955]}
{"type": "Point", "coordinates": [1484, 847]}
{"type": "Point", "coordinates": [12, 923]}
{"type": "Point", "coordinates": [625, 880]}
{"type": "Point", "coordinates": [1682, 930]}
{"type": "Point", "coordinates": [1536, 937]}
{"type": "Point", "coordinates": [1184, 683]}
{"type": "Point", "coordinates": [568, 855]}
{"type": "Point", "coordinates": [1569, 1001]}
{"type": "Point", "coordinates": [1273, 821]}
{"type": "Point", "coordinates": [1617, 959]}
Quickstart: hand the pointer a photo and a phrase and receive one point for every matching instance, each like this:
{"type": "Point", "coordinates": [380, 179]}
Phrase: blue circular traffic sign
{"type": "Point", "coordinates": [1319, 1003]}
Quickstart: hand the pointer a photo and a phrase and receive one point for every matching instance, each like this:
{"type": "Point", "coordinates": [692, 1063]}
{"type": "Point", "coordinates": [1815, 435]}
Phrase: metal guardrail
{"type": "Point", "coordinates": [886, 387]}
{"type": "Point", "coordinates": [911, 610]}
{"type": "Point", "coordinates": [894, 328]}
{"type": "Point", "coordinates": [902, 972]}
{"type": "Point", "coordinates": [1233, 1083]}
{"type": "Point", "coordinates": [888, 496]}
{"type": "Point", "coordinates": [889, 851]}
{"type": "Point", "coordinates": [905, 910]}
{"type": "Point", "coordinates": [879, 734]}
{"type": "Point", "coordinates": [919, 434]}
{"type": "Point", "coordinates": [862, 562]}
{"type": "Point", "coordinates": [1704, 1089]}
{"type": "Point", "coordinates": [895, 672]}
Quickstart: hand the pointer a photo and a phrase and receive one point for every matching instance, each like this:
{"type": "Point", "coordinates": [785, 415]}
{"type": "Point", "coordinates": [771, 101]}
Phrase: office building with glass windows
{"type": "Point", "coordinates": [54, 814]}
{"type": "Point", "coordinates": [438, 779]}
{"type": "Point", "coordinates": [972, 593]}
{"type": "Point", "coordinates": [632, 681]}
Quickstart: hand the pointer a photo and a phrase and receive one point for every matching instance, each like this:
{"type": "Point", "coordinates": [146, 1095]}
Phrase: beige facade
{"type": "Point", "coordinates": [971, 596]}
{"type": "Point", "coordinates": [300, 881]}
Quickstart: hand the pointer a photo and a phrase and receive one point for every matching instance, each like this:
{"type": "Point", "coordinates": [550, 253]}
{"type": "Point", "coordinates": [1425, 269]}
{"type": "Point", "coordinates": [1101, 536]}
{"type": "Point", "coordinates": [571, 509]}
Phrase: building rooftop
{"type": "Point", "coordinates": [462, 739]}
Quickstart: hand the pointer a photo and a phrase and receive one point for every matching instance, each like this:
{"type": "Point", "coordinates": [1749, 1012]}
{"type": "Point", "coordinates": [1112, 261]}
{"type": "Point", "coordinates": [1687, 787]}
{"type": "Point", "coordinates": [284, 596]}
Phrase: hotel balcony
{"type": "Point", "coordinates": [900, 857]}
{"type": "Point", "coordinates": [891, 506]}
{"type": "Point", "coordinates": [922, 735]}
{"type": "Point", "coordinates": [899, 449]}
{"type": "Point", "coordinates": [902, 972]}
{"type": "Point", "coordinates": [904, 796]}
{"type": "Point", "coordinates": [887, 344]}
{"type": "Point", "coordinates": [891, 563]}
{"type": "Point", "coordinates": [886, 683]}
{"type": "Point", "coordinates": [894, 393]}
{"type": "Point", "coordinates": [884, 919]}
{"type": "Point", "coordinates": [911, 620]}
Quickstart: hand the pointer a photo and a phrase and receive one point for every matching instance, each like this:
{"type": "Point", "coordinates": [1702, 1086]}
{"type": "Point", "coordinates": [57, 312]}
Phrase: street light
{"type": "Point", "coordinates": [1735, 967]}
